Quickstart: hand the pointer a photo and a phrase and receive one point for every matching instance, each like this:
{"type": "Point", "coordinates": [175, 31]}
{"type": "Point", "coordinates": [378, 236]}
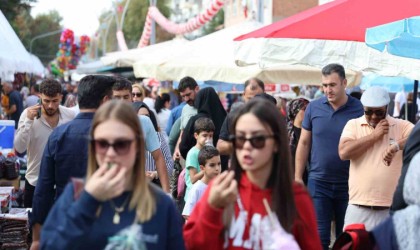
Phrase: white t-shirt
{"type": "Point", "coordinates": [401, 98]}
{"type": "Point", "coordinates": [162, 119]}
{"type": "Point", "coordinates": [194, 196]}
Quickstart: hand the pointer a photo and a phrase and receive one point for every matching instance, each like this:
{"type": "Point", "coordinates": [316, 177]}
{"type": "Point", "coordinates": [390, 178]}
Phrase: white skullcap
{"type": "Point", "coordinates": [375, 97]}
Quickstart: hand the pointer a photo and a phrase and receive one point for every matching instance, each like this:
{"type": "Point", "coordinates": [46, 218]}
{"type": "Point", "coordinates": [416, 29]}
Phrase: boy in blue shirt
{"type": "Point", "coordinates": [203, 133]}
{"type": "Point", "coordinates": [211, 166]}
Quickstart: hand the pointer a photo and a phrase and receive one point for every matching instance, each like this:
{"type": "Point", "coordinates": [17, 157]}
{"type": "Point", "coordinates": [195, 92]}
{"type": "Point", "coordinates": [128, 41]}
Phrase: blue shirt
{"type": "Point", "coordinates": [65, 156]}
{"type": "Point", "coordinates": [75, 223]}
{"type": "Point", "coordinates": [326, 125]}
{"type": "Point", "coordinates": [175, 114]}
{"type": "Point", "coordinates": [150, 137]}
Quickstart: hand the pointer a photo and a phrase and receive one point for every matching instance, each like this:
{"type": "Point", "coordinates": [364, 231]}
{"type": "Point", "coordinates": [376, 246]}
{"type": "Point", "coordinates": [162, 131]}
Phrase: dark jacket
{"type": "Point", "coordinates": [412, 146]}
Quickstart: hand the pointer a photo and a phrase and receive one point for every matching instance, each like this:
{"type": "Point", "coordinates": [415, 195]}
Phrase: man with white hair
{"type": "Point", "coordinates": [373, 143]}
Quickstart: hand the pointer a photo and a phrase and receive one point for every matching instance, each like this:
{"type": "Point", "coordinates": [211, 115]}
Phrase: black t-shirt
{"type": "Point", "coordinates": [224, 130]}
{"type": "Point", "coordinates": [15, 99]}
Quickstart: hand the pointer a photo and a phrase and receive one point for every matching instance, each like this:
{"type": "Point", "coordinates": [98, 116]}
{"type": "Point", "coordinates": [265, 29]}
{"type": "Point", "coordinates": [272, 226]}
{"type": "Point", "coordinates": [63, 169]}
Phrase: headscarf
{"type": "Point", "coordinates": [293, 108]}
{"type": "Point", "coordinates": [207, 102]}
{"type": "Point", "coordinates": [208, 105]}
{"type": "Point", "coordinates": [407, 221]}
{"type": "Point", "coordinates": [138, 105]}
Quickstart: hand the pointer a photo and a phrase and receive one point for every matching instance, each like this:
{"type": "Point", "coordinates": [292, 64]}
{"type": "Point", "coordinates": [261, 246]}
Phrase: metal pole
{"type": "Point", "coordinates": [260, 11]}
{"type": "Point", "coordinates": [414, 108]}
{"type": "Point", "coordinates": [41, 36]}
{"type": "Point", "coordinates": [124, 12]}
{"type": "Point", "coordinates": [106, 34]}
{"type": "Point", "coordinates": [153, 33]}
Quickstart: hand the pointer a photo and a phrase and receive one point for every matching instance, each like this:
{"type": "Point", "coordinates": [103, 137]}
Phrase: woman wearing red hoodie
{"type": "Point", "coordinates": [231, 214]}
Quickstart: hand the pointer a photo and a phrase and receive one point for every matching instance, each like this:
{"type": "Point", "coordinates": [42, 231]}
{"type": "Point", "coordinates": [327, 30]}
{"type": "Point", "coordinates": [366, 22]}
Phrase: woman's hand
{"type": "Point", "coordinates": [224, 190]}
{"type": "Point", "coordinates": [107, 183]}
{"type": "Point", "coordinates": [151, 175]}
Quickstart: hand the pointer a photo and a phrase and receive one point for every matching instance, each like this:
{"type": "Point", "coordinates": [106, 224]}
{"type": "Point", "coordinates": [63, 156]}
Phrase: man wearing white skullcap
{"type": "Point", "coordinates": [373, 143]}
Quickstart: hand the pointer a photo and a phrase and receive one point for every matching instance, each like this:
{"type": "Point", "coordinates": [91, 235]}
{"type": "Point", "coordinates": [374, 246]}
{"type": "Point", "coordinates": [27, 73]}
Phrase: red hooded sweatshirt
{"type": "Point", "coordinates": [205, 229]}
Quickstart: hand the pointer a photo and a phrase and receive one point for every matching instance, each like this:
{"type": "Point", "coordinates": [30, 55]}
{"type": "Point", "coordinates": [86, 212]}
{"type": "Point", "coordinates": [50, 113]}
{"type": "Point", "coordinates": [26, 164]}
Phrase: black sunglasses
{"type": "Point", "coordinates": [257, 142]}
{"type": "Point", "coordinates": [137, 94]}
{"type": "Point", "coordinates": [120, 146]}
{"type": "Point", "coordinates": [377, 112]}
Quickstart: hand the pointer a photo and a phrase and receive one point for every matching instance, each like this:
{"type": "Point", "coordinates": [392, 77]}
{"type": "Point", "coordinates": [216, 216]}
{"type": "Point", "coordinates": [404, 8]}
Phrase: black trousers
{"type": "Point", "coordinates": [28, 194]}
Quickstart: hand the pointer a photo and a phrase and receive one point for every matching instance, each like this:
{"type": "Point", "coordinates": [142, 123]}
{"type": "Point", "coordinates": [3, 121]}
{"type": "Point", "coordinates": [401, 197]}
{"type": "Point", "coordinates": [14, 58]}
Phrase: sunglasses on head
{"type": "Point", "coordinates": [377, 112]}
{"type": "Point", "coordinates": [137, 94]}
{"type": "Point", "coordinates": [120, 146]}
{"type": "Point", "coordinates": [257, 141]}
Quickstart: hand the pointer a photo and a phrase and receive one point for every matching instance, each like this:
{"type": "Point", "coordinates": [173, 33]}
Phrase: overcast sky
{"type": "Point", "coordinates": [81, 16]}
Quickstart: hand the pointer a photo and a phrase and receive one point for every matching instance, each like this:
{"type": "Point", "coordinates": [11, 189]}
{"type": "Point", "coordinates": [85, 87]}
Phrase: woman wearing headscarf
{"type": "Point", "coordinates": [208, 105]}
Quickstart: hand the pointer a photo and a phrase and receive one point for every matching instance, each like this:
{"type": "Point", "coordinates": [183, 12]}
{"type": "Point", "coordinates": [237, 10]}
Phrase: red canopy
{"type": "Point", "coordinates": [339, 20]}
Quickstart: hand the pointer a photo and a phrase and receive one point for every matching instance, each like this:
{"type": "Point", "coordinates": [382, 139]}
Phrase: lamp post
{"type": "Point", "coordinates": [41, 36]}
{"type": "Point", "coordinates": [153, 33]}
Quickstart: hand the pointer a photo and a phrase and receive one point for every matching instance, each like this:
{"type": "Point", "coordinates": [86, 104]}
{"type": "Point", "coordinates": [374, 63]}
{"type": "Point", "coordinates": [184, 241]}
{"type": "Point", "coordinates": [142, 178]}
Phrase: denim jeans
{"type": "Point", "coordinates": [330, 201]}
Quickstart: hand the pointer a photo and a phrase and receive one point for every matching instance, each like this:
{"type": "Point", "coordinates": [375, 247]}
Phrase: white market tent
{"type": "Point", "coordinates": [159, 51]}
{"type": "Point", "coordinates": [37, 67]}
{"type": "Point", "coordinates": [212, 58]}
{"type": "Point", "coordinates": [357, 56]}
{"type": "Point", "coordinates": [14, 57]}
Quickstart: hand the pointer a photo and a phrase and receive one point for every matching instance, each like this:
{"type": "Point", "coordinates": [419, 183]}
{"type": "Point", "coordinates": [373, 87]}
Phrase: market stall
{"type": "Point", "coordinates": [14, 57]}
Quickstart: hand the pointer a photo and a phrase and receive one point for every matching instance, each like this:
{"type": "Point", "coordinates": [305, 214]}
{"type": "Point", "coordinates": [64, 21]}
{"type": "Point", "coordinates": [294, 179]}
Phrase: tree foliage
{"type": "Point", "coordinates": [215, 23]}
{"type": "Point", "coordinates": [26, 27]}
{"type": "Point", "coordinates": [45, 48]}
{"type": "Point", "coordinates": [133, 24]}
{"type": "Point", "coordinates": [12, 8]}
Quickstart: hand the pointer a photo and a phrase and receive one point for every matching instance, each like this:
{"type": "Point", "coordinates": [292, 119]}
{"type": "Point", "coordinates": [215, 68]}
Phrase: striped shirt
{"type": "Point", "coordinates": [164, 147]}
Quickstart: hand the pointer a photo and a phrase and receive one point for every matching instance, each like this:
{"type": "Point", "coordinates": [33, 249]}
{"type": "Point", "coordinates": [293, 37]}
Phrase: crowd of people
{"type": "Point", "coordinates": [263, 176]}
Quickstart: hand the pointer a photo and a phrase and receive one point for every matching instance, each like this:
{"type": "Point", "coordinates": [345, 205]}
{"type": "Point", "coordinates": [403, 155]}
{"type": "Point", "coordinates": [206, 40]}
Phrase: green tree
{"type": "Point", "coordinates": [45, 48]}
{"type": "Point", "coordinates": [133, 24]}
{"type": "Point", "coordinates": [215, 23]}
{"type": "Point", "coordinates": [107, 30]}
{"type": "Point", "coordinates": [12, 8]}
{"type": "Point", "coordinates": [27, 27]}
{"type": "Point", "coordinates": [136, 17]}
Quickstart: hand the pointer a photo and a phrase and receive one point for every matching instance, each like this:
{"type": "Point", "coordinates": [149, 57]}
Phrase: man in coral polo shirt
{"type": "Point", "coordinates": [373, 143]}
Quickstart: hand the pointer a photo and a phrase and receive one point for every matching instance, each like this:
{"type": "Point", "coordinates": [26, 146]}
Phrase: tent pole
{"type": "Point", "coordinates": [413, 110]}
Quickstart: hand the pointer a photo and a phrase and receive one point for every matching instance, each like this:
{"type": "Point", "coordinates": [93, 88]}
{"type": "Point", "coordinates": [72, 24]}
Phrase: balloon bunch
{"type": "Point", "coordinates": [84, 43]}
{"type": "Point", "coordinates": [69, 52]}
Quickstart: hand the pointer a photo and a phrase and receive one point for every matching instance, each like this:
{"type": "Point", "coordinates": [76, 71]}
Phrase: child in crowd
{"type": "Point", "coordinates": [203, 133]}
{"type": "Point", "coordinates": [210, 165]}
{"type": "Point", "coordinates": [256, 205]}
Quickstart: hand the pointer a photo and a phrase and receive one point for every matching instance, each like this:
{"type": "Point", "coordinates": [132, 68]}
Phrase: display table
{"type": "Point", "coordinates": [15, 183]}
{"type": "Point", "coordinates": [14, 229]}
